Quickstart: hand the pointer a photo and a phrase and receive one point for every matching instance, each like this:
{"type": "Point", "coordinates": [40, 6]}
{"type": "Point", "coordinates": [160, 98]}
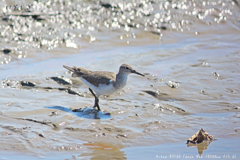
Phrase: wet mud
{"type": "Point", "coordinates": [188, 50]}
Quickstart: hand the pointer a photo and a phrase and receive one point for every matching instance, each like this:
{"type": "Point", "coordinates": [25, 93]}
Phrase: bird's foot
{"type": "Point", "coordinates": [96, 107]}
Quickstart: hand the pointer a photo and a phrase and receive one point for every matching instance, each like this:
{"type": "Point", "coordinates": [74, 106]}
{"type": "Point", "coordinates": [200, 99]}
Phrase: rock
{"type": "Point", "coordinates": [121, 135]}
{"type": "Point", "coordinates": [41, 135]}
{"type": "Point", "coordinates": [106, 5]}
{"type": "Point", "coordinates": [6, 51]}
{"type": "Point", "coordinates": [173, 84]}
{"type": "Point", "coordinates": [53, 113]}
{"type": "Point", "coordinates": [27, 84]}
{"type": "Point", "coordinates": [216, 74]}
{"type": "Point", "coordinates": [62, 80]}
{"type": "Point", "coordinates": [199, 137]}
{"type": "Point", "coordinates": [70, 91]}
{"type": "Point", "coordinates": [162, 27]}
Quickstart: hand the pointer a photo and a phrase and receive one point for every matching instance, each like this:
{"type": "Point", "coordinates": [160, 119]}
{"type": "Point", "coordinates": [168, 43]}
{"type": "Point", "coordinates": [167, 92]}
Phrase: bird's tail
{"type": "Point", "coordinates": [75, 70]}
{"type": "Point", "coordinates": [69, 68]}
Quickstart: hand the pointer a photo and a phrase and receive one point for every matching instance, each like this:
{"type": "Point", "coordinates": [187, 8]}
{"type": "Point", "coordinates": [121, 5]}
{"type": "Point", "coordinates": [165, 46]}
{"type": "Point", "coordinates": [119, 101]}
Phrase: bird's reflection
{"type": "Point", "coordinates": [201, 146]}
{"type": "Point", "coordinates": [88, 113]}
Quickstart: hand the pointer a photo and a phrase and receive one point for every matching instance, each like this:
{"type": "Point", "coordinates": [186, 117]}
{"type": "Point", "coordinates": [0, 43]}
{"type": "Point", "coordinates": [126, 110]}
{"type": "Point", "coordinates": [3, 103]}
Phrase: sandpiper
{"type": "Point", "coordinates": [103, 82]}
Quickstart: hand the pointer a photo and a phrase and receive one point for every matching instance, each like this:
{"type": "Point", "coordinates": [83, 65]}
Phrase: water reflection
{"type": "Point", "coordinates": [201, 146]}
{"type": "Point", "coordinates": [103, 150]}
{"type": "Point", "coordinates": [88, 113]}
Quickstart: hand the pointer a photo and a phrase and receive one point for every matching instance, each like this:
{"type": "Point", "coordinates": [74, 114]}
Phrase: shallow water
{"type": "Point", "coordinates": [195, 44]}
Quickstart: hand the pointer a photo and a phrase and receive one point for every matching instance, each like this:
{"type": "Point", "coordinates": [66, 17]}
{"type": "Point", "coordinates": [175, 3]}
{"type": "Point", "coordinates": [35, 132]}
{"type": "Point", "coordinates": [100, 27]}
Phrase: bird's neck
{"type": "Point", "coordinates": [121, 80]}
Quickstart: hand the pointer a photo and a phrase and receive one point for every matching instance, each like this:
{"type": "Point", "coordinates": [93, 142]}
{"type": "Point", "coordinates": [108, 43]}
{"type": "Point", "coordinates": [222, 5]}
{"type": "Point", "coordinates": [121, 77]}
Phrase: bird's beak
{"type": "Point", "coordinates": [133, 71]}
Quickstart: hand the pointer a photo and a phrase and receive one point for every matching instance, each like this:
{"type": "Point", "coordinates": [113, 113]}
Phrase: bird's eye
{"type": "Point", "coordinates": [127, 68]}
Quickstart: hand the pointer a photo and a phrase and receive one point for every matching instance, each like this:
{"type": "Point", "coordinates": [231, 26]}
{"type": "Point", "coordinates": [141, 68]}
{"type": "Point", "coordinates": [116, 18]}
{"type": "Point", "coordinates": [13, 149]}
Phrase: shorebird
{"type": "Point", "coordinates": [103, 82]}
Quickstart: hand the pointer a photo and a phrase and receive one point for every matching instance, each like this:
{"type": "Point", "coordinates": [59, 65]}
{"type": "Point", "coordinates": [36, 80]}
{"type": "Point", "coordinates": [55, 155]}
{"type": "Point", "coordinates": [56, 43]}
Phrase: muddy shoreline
{"type": "Point", "coordinates": [188, 51]}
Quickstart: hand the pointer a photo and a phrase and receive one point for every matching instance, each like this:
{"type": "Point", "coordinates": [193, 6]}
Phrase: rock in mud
{"type": "Point", "coordinates": [27, 84]}
{"type": "Point", "coordinates": [199, 137]}
{"type": "Point", "coordinates": [216, 74]}
{"type": "Point", "coordinates": [162, 27]}
{"type": "Point", "coordinates": [70, 91]}
{"type": "Point", "coordinates": [41, 135]}
{"type": "Point", "coordinates": [6, 51]}
{"type": "Point", "coordinates": [106, 5]}
{"type": "Point", "coordinates": [62, 80]}
{"type": "Point", "coordinates": [53, 113]}
{"type": "Point", "coordinates": [10, 83]}
{"type": "Point", "coordinates": [121, 135]}
{"type": "Point", "coordinates": [173, 84]}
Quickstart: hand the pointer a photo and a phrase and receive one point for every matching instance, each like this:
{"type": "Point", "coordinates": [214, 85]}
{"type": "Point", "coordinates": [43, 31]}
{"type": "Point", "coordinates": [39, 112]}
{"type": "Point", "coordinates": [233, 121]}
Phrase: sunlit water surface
{"type": "Point", "coordinates": [188, 51]}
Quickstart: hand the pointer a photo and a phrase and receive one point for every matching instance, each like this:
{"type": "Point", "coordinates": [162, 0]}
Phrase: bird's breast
{"type": "Point", "coordinates": [101, 89]}
{"type": "Point", "coordinates": [121, 82]}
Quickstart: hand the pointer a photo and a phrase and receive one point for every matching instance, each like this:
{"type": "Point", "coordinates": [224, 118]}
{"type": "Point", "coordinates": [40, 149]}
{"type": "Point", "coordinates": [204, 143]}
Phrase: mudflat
{"type": "Point", "coordinates": [188, 51]}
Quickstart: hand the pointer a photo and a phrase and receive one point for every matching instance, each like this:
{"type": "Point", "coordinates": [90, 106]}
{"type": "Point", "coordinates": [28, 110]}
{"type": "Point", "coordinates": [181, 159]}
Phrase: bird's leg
{"type": "Point", "coordinates": [96, 100]}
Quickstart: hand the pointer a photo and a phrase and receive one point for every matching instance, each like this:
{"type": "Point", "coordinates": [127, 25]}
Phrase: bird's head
{"type": "Point", "coordinates": [127, 69]}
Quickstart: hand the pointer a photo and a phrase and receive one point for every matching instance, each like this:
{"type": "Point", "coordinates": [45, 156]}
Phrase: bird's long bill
{"type": "Point", "coordinates": [133, 71]}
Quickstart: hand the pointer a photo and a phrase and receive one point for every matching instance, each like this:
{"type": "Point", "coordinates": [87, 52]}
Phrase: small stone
{"type": "Point", "coordinates": [122, 135]}
{"type": "Point", "coordinates": [106, 5]}
{"type": "Point", "coordinates": [27, 84]}
{"type": "Point", "coordinates": [173, 84]}
{"type": "Point", "coordinates": [216, 74]}
{"type": "Point", "coordinates": [62, 80]}
{"type": "Point", "coordinates": [163, 28]}
{"type": "Point", "coordinates": [41, 135]}
{"type": "Point", "coordinates": [53, 113]}
{"type": "Point", "coordinates": [6, 51]}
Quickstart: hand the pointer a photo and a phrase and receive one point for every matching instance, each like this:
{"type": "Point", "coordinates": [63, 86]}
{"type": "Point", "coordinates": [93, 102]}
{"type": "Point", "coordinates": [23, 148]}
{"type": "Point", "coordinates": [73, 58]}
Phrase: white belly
{"type": "Point", "coordinates": [102, 89]}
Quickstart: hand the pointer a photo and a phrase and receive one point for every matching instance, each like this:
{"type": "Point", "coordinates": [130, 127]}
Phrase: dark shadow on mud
{"type": "Point", "coordinates": [88, 113]}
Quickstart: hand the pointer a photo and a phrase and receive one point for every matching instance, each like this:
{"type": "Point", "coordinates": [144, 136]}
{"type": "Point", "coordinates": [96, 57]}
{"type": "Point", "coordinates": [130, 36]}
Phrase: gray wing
{"type": "Point", "coordinates": [99, 77]}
